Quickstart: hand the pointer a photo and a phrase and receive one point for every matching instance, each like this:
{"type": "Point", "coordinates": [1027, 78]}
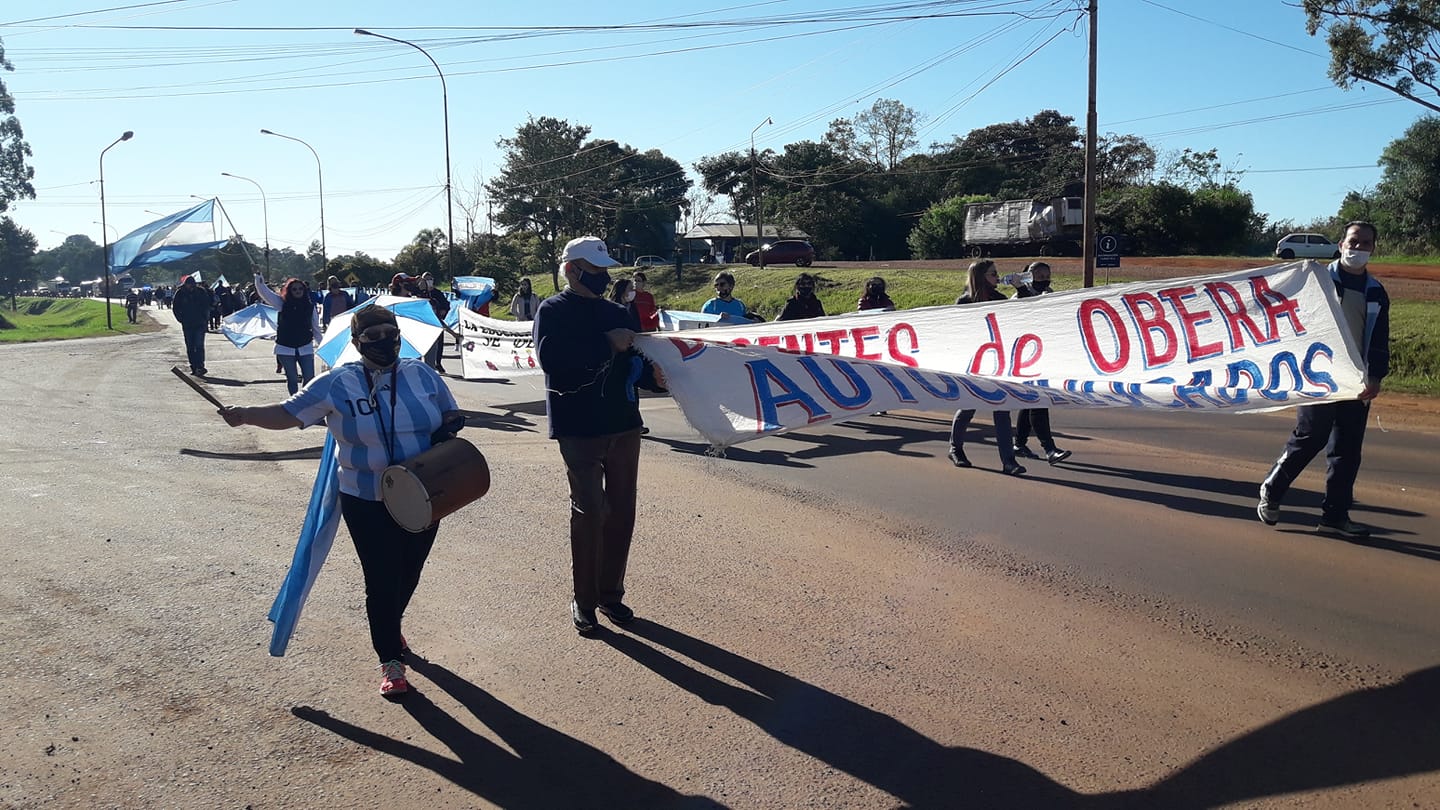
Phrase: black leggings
{"type": "Point", "coordinates": [391, 559]}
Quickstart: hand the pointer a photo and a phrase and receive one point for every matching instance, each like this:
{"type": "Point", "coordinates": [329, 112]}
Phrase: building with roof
{"type": "Point", "coordinates": [722, 240]}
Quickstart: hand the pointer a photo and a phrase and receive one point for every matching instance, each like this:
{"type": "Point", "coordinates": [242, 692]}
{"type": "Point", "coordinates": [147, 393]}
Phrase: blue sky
{"type": "Point", "coordinates": [1240, 76]}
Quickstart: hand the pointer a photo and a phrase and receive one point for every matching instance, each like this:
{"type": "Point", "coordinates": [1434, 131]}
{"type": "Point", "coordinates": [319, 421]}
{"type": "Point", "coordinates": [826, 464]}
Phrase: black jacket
{"type": "Point", "coordinates": [589, 389]}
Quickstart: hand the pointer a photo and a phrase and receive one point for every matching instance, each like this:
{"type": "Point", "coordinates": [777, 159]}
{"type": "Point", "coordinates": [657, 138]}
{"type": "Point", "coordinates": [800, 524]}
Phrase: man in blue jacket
{"type": "Point", "coordinates": [1340, 426]}
{"type": "Point", "coordinates": [584, 345]}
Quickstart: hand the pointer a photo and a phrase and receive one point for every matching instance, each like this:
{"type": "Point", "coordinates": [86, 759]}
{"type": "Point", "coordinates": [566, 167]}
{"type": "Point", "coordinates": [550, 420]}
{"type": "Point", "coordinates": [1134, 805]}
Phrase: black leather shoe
{"type": "Point", "coordinates": [584, 619]}
{"type": "Point", "coordinates": [957, 457]}
{"type": "Point", "coordinates": [618, 612]}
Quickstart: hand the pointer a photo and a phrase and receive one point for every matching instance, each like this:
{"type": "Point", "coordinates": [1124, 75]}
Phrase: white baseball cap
{"type": "Point", "coordinates": [589, 248]}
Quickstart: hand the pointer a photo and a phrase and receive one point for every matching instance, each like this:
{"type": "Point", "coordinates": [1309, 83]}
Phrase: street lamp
{"type": "Point", "coordinates": [264, 212]}
{"type": "Point", "coordinates": [759, 216]}
{"type": "Point", "coordinates": [105, 237]}
{"type": "Point", "coordinates": [109, 227]}
{"type": "Point", "coordinates": [324, 255]}
{"type": "Point", "coordinates": [445, 105]}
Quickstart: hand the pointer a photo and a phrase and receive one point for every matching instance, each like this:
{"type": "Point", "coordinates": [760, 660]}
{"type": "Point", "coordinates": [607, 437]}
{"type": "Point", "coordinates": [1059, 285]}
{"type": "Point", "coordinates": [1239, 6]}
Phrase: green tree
{"type": "Point", "coordinates": [940, 233]}
{"type": "Point", "coordinates": [17, 249]}
{"type": "Point", "coordinates": [78, 258]}
{"type": "Point", "coordinates": [1041, 156]}
{"type": "Point", "coordinates": [423, 255]}
{"type": "Point", "coordinates": [15, 170]}
{"type": "Point", "coordinates": [887, 131]}
{"type": "Point", "coordinates": [1409, 189]}
{"type": "Point", "coordinates": [1123, 160]}
{"type": "Point", "coordinates": [558, 185]}
{"type": "Point", "coordinates": [1394, 44]}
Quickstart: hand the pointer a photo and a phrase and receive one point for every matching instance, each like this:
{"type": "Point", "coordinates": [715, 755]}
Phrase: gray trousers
{"type": "Point", "coordinates": [1003, 437]}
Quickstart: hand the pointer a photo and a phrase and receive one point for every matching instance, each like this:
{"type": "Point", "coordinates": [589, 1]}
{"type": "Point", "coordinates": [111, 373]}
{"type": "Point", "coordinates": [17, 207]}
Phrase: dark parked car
{"type": "Point", "coordinates": [785, 251]}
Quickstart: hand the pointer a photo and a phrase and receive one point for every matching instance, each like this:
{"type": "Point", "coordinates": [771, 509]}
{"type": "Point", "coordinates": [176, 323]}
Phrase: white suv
{"type": "Point", "coordinates": [1306, 246]}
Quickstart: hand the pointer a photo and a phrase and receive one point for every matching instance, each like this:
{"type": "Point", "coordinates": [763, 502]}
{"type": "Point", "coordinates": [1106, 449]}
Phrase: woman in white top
{"type": "Point", "coordinates": [525, 302]}
{"type": "Point", "coordinates": [297, 329]}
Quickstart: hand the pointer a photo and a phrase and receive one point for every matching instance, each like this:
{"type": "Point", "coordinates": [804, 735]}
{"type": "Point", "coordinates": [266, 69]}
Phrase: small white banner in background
{"type": "Point", "coordinates": [493, 349]}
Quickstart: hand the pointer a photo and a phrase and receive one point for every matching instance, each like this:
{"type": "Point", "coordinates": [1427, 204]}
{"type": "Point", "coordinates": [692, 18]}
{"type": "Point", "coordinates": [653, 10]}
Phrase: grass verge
{"type": "Point", "coordinates": [64, 318]}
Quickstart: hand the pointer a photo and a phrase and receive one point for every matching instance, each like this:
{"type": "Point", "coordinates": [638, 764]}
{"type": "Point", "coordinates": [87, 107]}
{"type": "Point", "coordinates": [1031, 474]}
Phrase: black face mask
{"type": "Point", "coordinates": [596, 282]}
{"type": "Point", "coordinates": [804, 292]}
{"type": "Point", "coordinates": [382, 353]}
{"type": "Point", "coordinates": [1041, 286]}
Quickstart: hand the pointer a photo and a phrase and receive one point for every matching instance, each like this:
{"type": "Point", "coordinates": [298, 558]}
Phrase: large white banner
{"type": "Point", "coordinates": [1246, 341]}
{"type": "Point", "coordinates": [491, 348]}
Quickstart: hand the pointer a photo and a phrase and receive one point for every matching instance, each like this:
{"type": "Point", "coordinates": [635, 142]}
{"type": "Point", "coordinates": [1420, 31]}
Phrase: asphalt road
{"type": "Point", "coordinates": [831, 619]}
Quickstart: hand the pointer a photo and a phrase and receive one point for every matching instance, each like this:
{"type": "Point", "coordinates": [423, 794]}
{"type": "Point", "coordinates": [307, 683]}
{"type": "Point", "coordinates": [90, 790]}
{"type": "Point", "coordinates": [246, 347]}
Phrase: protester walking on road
{"type": "Point", "coordinates": [1339, 427]}
{"type": "Point", "coordinates": [981, 286]}
{"type": "Point", "coordinates": [623, 293]}
{"type": "Point", "coordinates": [335, 302]}
{"type": "Point", "coordinates": [1035, 281]}
{"type": "Point", "coordinates": [192, 305]}
{"type": "Point", "coordinates": [380, 411]}
{"type": "Point", "coordinates": [591, 372]}
{"type": "Point", "coordinates": [132, 306]}
{"type": "Point", "coordinates": [297, 330]}
{"type": "Point", "coordinates": [425, 288]}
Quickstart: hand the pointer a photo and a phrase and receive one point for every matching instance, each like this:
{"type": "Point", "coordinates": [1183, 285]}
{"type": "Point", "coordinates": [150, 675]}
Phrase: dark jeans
{"type": "Point", "coordinates": [961, 422]}
{"type": "Point", "coordinates": [299, 369]}
{"type": "Point", "coordinates": [1339, 428]}
{"type": "Point", "coordinates": [603, 471]}
{"type": "Point", "coordinates": [391, 559]}
{"type": "Point", "coordinates": [1039, 418]}
{"type": "Point", "coordinates": [194, 344]}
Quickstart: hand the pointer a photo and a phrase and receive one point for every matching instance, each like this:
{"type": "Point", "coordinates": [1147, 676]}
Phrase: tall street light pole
{"type": "Point", "coordinates": [445, 105]}
{"type": "Point", "coordinates": [104, 236]}
{"type": "Point", "coordinates": [759, 215]}
{"type": "Point", "coordinates": [264, 213]}
{"type": "Point", "coordinates": [1091, 191]}
{"type": "Point", "coordinates": [324, 254]}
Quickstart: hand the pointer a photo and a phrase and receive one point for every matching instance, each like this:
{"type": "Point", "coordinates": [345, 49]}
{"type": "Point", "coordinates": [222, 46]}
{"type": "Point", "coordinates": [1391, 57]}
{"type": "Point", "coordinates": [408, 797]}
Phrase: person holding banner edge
{"type": "Point", "coordinates": [1339, 427]}
{"type": "Point", "coordinates": [983, 285]}
{"type": "Point", "coordinates": [591, 372]}
{"type": "Point", "coordinates": [1034, 281]}
{"type": "Point", "coordinates": [381, 411]}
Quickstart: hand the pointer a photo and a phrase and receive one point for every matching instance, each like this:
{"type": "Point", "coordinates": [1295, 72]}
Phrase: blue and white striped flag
{"type": "Point", "coordinates": [322, 519]}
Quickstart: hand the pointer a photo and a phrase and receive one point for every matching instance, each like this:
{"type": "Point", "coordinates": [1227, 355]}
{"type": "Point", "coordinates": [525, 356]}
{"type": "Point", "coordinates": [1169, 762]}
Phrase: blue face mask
{"type": "Point", "coordinates": [596, 282]}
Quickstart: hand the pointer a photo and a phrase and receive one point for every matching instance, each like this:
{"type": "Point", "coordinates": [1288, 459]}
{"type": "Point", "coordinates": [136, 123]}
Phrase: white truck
{"type": "Point", "coordinates": [1052, 227]}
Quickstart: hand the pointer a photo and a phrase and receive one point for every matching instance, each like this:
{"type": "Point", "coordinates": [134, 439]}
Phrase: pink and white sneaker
{"type": "Point", "coordinates": [392, 679]}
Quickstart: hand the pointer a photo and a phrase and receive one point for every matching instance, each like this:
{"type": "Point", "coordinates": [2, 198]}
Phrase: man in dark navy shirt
{"type": "Point", "coordinates": [1339, 427]}
{"type": "Point", "coordinates": [584, 342]}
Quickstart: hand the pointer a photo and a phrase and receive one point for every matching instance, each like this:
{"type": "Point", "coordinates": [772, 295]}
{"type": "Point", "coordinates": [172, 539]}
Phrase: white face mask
{"type": "Point", "coordinates": [1354, 259]}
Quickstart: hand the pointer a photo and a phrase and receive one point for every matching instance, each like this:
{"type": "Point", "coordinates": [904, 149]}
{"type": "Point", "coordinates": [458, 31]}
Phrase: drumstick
{"type": "Point", "coordinates": [198, 388]}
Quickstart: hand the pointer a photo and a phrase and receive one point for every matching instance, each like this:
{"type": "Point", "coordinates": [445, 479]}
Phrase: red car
{"type": "Point", "coordinates": [785, 251]}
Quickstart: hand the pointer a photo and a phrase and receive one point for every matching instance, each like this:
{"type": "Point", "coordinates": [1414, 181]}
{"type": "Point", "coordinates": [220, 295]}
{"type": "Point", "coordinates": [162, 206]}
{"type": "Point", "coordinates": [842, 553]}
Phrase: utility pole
{"type": "Point", "coordinates": [1091, 192]}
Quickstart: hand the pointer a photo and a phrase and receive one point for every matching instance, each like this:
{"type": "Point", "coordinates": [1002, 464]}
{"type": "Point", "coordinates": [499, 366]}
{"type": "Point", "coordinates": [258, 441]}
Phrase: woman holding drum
{"type": "Point", "coordinates": [380, 411]}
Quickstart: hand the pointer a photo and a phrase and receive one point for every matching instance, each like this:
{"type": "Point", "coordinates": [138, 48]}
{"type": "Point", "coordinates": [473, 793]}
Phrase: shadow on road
{"type": "Point", "coordinates": [1197, 502]}
{"type": "Point", "coordinates": [870, 746]}
{"type": "Point", "coordinates": [507, 422]}
{"type": "Point", "coordinates": [1371, 734]}
{"type": "Point", "coordinates": [774, 458]}
{"type": "Point", "coordinates": [548, 769]}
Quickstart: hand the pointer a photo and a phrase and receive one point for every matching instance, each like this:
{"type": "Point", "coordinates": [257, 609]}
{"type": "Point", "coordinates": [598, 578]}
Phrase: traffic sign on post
{"type": "Point", "coordinates": [1107, 251]}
